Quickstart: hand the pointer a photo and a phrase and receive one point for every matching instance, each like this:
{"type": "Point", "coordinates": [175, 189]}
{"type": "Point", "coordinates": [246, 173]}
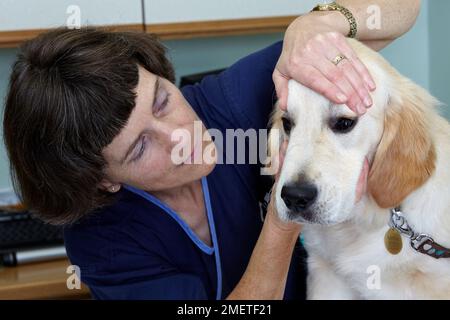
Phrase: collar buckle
{"type": "Point", "coordinates": [399, 223]}
{"type": "Point", "coordinates": [420, 242]}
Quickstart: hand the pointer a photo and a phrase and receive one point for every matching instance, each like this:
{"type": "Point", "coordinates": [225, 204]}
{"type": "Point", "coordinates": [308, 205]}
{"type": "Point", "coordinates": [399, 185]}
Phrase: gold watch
{"type": "Point", "coordinates": [333, 6]}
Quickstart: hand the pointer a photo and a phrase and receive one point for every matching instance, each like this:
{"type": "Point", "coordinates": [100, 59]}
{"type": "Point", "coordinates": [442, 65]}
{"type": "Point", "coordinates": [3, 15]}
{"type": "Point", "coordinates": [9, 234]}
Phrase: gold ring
{"type": "Point", "coordinates": [338, 59]}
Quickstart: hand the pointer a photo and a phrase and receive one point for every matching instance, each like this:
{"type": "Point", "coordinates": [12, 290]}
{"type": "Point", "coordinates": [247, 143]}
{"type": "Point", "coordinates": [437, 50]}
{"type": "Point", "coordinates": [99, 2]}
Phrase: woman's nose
{"type": "Point", "coordinates": [171, 135]}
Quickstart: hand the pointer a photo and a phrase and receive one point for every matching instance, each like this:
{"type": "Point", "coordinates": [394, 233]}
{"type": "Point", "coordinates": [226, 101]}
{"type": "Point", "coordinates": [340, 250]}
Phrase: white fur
{"type": "Point", "coordinates": [346, 239]}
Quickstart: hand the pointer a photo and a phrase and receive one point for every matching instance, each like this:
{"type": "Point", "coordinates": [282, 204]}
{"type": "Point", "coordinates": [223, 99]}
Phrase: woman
{"type": "Point", "coordinates": [96, 113]}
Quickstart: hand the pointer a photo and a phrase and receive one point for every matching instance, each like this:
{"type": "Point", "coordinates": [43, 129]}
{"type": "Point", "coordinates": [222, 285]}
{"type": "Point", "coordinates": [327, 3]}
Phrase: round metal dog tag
{"type": "Point", "coordinates": [393, 241]}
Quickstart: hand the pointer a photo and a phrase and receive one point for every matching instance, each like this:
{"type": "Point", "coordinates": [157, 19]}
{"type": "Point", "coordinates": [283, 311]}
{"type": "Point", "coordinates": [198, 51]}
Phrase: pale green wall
{"type": "Point", "coordinates": [422, 55]}
{"type": "Point", "coordinates": [6, 60]}
{"type": "Point", "coordinates": [197, 55]}
{"type": "Point", "coordinates": [439, 28]}
{"type": "Point", "coordinates": [410, 53]}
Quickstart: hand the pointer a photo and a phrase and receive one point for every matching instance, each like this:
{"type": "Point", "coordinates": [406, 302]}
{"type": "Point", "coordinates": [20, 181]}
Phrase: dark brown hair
{"type": "Point", "coordinates": [70, 93]}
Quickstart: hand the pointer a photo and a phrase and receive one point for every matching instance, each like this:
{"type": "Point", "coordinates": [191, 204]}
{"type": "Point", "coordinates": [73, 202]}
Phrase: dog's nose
{"type": "Point", "coordinates": [299, 197]}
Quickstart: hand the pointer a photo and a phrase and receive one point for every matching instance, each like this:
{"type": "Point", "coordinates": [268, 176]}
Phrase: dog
{"type": "Point", "coordinates": [373, 192]}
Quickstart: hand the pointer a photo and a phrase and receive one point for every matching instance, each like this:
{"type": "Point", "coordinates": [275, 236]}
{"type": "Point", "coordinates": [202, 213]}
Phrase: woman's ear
{"type": "Point", "coordinates": [109, 186]}
{"type": "Point", "coordinates": [274, 141]}
{"type": "Point", "coordinates": [405, 157]}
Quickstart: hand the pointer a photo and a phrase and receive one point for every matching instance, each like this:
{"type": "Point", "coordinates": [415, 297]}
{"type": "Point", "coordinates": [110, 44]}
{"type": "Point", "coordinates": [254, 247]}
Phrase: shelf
{"type": "Point", "coordinates": [179, 30]}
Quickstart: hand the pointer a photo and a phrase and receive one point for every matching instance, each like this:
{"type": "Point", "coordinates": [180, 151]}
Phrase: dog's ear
{"type": "Point", "coordinates": [274, 141]}
{"type": "Point", "coordinates": [405, 157]}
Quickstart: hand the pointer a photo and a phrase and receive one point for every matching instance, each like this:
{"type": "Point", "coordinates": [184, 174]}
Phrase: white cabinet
{"type": "Point", "coordinates": [44, 14]}
{"type": "Point", "coordinates": [172, 11]}
{"type": "Point", "coordinates": [170, 19]}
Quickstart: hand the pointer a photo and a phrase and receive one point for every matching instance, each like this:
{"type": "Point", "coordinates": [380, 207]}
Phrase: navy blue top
{"type": "Point", "coordinates": [139, 248]}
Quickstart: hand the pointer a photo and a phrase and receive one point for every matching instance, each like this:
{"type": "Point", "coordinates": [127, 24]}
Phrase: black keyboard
{"type": "Point", "coordinates": [21, 230]}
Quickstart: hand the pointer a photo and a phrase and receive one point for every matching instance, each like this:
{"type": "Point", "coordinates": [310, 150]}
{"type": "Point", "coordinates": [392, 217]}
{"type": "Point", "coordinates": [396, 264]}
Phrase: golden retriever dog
{"type": "Point", "coordinates": [373, 192]}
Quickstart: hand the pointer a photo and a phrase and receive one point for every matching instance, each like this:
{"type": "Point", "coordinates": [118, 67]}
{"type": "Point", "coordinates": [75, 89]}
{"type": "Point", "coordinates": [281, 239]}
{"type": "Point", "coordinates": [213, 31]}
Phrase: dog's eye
{"type": "Point", "coordinates": [287, 125]}
{"type": "Point", "coordinates": [342, 125]}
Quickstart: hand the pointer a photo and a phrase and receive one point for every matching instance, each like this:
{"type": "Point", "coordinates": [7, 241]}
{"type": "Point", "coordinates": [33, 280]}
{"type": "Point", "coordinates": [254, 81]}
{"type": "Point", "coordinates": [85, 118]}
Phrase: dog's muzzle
{"type": "Point", "coordinates": [298, 198]}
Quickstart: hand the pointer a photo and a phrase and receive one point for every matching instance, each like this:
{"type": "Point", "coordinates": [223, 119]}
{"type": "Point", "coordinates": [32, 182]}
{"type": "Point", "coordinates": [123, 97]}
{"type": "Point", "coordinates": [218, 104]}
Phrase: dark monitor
{"type": "Point", "coordinates": [197, 77]}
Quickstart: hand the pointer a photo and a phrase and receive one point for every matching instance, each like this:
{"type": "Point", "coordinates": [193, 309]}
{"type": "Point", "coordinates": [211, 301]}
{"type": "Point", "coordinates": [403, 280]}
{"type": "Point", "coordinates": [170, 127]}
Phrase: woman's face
{"type": "Point", "coordinates": [142, 154]}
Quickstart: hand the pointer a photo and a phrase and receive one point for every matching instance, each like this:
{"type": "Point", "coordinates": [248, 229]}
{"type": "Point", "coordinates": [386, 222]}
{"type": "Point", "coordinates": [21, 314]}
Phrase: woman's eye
{"type": "Point", "coordinates": [343, 125]}
{"type": "Point", "coordinates": [287, 125]}
{"type": "Point", "coordinates": [141, 150]}
{"type": "Point", "coordinates": [161, 102]}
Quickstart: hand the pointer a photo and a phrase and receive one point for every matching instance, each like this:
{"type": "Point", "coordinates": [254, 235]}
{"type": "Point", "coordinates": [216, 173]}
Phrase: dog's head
{"type": "Point", "coordinates": [334, 157]}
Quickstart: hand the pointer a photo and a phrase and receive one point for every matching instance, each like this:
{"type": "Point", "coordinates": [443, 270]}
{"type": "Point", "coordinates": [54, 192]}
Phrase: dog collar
{"type": "Point", "coordinates": [420, 242]}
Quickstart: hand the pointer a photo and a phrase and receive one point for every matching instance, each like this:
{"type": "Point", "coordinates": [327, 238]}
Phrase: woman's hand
{"type": "Point", "coordinates": [310, 45]}
{"type": "Point", "coordinates": [266, 274]}
{"type": "Point", "coordinates": [272, 215]}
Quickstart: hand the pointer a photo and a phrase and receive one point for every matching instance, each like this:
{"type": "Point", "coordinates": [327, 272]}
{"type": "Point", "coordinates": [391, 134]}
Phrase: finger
{"type": "Point", "coordinates": [312, 78]}
{"type": "Point", "coordinates": [337, 76]}
{"type": "Point", "coordinates": [283, 150]}
{"type": "Point", "coordinates": [281, 156]}
{"type": "Point", "coordinates": [361, 82]}
{"type": "Point", "coordinates": [356, 81]}
{"type": "Point", "coordinates": [281, 87]}
{"type": "Point", "coordinates": [351, 55]}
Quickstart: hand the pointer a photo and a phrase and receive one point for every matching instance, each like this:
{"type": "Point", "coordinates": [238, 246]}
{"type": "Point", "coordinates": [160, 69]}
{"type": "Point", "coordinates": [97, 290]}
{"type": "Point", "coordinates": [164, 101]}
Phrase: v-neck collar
{"type": "Point", "coordinates": [191, 234]}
